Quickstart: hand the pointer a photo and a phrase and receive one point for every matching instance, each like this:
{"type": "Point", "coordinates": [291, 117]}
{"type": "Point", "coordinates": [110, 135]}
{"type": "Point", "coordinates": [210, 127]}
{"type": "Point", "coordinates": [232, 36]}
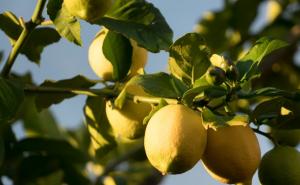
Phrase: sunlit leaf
{"type": "Point", "coordinates": [140, 21]}
{"type": "Point", "coordinates": [66, 24]}
{"type": "Point", "coordinates": [189, 58]}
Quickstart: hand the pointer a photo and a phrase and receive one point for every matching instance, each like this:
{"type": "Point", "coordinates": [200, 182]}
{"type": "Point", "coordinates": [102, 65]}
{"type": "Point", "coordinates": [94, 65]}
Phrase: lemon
{"type": "Point", "coordinates": [103, 67]}
{"type": "Point", "coordinates": [232, 154]}
{"type": "Point", "coordinates": [287, 137]}
{"type": "Point", "coordinates": [175, 139]}
{"type": "Point", "coordinates": [89, 10]}
{"type": "Point", "coordinates": [280, 166]}
{"type": "Point", "coordinates": [128, 121]}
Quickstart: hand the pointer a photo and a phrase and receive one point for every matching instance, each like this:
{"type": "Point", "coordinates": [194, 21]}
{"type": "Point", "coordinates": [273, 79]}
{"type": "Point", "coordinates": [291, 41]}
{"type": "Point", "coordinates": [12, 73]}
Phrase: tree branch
{"type": "Point", "coordinates": [105, 92]}
{"type": "Point", "coordinates": [36, 19]}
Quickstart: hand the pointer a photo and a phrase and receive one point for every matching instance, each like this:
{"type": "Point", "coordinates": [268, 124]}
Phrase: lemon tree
{"type": "Point", "coordinates": [225, 84]}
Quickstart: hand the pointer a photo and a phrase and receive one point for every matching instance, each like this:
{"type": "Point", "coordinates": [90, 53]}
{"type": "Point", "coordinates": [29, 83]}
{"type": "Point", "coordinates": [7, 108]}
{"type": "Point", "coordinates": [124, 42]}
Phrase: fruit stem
{"type": "Point", "coordinates": [267, 135]}
{"type": "Point", "coordinates": [105, 92]}
{"type": "Point", "coordinates": [28, 27]}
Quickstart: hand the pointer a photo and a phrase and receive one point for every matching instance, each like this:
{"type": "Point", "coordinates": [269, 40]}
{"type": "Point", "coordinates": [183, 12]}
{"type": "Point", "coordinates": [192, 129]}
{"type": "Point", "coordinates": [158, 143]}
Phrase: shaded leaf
{"type": "Point", "coordinates": [40, 123]}
{"type": "Point", "coordinates": [2, 151]}
{"type": "Point", "coordinates": [38, 39]}
{"type": "Point", "coordinates": [74, 175]}
{"type": "Point", "coordinates": [140, 21]}
{"type": "Point", "coordinates": [214, 121]}
{"type": "Point", "coordinates": [45, 100]}
{"type": "Point", "coordinates": [52, 147]}
{"type": "Point", "coordinates": [10, 25]}
{"type": "Point", "coordinates": [278, 113]}
{"type": "Point", "coordinates": [118, 50]}
{"type": "Point", "coordinates": [100, 131]}
{"type": "Point", "coordinates": [189, 58]}
{"type": "Point", "coordinates": [11, 97]}
{"type": "Point", "coordinates": [248, 66]}
{"type": "Point", "coordinates": [1, 56]}
{"type": "Point", "coordinates": [66, 24]}
{"type": "Point", "coordinates": [160, 84]}
{"type": "Point", "coordinates": [36, 166]}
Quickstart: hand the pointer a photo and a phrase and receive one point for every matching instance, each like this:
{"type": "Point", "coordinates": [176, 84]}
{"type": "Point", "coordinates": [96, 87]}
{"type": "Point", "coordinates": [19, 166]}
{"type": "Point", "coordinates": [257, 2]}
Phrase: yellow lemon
{"type": "Point", "coordinates": [175, 139]}
{"type": "Point", "coordinates": [232, 154]}
{"type": "Point", "coordinates": [103, 67]}
{"type": "Point", "coordinates": [128, 121]}
{"type": "Point", "coordinates": [280, 166]}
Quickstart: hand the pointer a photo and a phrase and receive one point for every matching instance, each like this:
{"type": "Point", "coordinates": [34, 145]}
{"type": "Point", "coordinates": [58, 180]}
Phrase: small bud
{"type": "Point", "coordinates": [215, 75]}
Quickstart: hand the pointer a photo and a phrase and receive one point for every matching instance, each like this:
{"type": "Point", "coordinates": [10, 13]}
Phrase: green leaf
{"type": "Point", "coordinates": [40, 123]}
{"type": "Point", "coordinates": [38, 39]}
{"type": "Point", "coordinates": [279, 112]}
{"type": "Point", "coordinates": [1, 56]}
{"type": "Point", "coordinates": [202, 91]}
{"type": "Point", "coordinates": [189, 58]}
{"type": "Point", "coordinates": [66, 24]}
{"type": "Point", "coordinates": [160, 84]}
{"type": "Point", "coordinates": [2, 151]}
{"type": "Point", "coordinates": [100, 130]}
{"type": "Point", "coordinates": [140, 21]}
{"type": "Point", "coordinates": [35, 167]}
{"type": "Point", "coordinates": [121, 99]}
{"type": "Point", "coordinates": [11, 97]}
{"type": "Point", "coordinates": [74, 175]}
{"type": "Point", "coordinates": [118, 50]}
{"type": "Point", "coordinates": [161, 104]}
{"type": "Point", "coordinates": [10, 25]}
{"type": "Point", "coordinates": [214, 121]}
{"type": "Point", "coordinates": [45, 100]}
{"type": "Point", "coordinates": [248, 66]}
{"type": "Point", "coordinates": [52, 147]}
{"type": "Point", "coordinates": [55, 178]}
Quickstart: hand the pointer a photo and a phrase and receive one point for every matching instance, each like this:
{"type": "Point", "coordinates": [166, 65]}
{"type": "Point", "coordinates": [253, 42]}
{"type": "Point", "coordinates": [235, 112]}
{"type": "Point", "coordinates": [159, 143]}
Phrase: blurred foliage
{"type": "Point", "coordinates": [48, 154]}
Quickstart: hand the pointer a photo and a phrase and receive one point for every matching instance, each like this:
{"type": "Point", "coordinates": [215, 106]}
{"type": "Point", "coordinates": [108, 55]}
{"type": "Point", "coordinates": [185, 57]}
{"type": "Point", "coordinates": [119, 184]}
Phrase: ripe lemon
{"type": "Point", "coordinates": [232, 154]}
{"type": "Point", "coordinates": [103, 67]}
{"type": "Point", "coordinates": [128, 121]}
{"type": "Point", "coordinates": [280, 166]}
{"type": "Point", "coordinates": [287, 137]}
{"type": "Point", "coordinates": [175, 139]}
{"type": "Point", "coordinates": [89, 10]}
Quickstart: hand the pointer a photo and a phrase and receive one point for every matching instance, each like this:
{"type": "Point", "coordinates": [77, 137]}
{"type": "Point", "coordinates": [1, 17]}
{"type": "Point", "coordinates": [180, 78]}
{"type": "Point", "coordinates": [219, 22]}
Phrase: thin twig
{"type": "Point", "coordinates": [105, 92]}
{"type": "Point", "coordinates": [267, 135]}
{"type": "Point", "coordinates": [36, 19]}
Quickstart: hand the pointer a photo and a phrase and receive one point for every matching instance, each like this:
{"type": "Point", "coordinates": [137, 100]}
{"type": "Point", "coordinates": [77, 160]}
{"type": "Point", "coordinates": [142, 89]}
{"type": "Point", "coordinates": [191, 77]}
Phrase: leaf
{"type": "Point", "coordinates": [248, 66]}
{"type": "Point", "coordinates": [161, 104]}
{"type": "Point", "coordinates": [2, 151]}
{"type": "Point", "coordinates": [202, 91]}
{"type": "Point", "coordinates": [189, 58]}
{"type": "Point", "coordinates": [100, 131]}
{"type": "Point", "coordinates": [1, 56]}
{"type": "Point", "coordinates": [279, 112]}
{"type": "Point", "coordinates": [211, 120]}
{"type": "Point", "coordinates": [38, 39]}
{"type": "Point", "coordinates": [10, 25]}
{"type": "Point", "coordinates": [66, 24]}
{"type": "Point", "coordinates": [159, 84]}
{"type": "Point", "coordinates": [55, 178]}
{"type": "Point", "coordinates": [74, 175]}
{"type": "Point", "coordinates": [118, 50]}
{"type": "Point", "coordinates": [38, 124]}
{"type": "Point", "coordinates": [140, 21]}
{"type": "Point", "coordinates": [45, 100]}
{"type": "Point", "coordinates": [33, 167]}
{"type": "Point", "coordinates": [60, 149]}
{"type": "Point", "coordinates": [11, 97]}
